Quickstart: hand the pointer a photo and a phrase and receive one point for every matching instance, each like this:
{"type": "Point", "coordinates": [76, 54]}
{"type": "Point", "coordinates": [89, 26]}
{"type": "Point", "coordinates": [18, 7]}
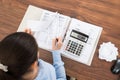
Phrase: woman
{"type": "Point", "coordinates": [19, 59]}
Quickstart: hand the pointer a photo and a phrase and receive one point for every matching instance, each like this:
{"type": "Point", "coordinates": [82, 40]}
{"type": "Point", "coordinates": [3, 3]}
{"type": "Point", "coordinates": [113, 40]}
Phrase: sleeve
{"type": "Point", "coordinates": [59, 65]}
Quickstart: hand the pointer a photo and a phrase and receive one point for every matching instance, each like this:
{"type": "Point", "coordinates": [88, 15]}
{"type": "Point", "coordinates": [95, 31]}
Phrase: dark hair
{"type": "Point", "coordinates": [17, 51]}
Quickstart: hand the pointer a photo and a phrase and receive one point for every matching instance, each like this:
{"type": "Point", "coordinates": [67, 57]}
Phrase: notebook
{"type": "Point", "coordinates": [46, 25]}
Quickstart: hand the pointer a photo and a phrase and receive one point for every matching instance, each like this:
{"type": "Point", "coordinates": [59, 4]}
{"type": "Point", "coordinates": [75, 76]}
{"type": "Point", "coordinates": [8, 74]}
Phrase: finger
{"type": "Point", "coordinates": [25, 30]}
{"type": "Point", "coordinates": [29, 31]}
{"type": "Point", "coordinates": [59, 39]}
{"type": "Point", "coordinates": [54, 43]}
{"type": "Point", "coordinates": [59, 42]}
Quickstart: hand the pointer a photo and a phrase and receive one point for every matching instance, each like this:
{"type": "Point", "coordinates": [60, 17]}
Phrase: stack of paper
{"type": "Point", "coordinates": [50, 25]}
{"type": "Point", "coordinates": [108, 52]}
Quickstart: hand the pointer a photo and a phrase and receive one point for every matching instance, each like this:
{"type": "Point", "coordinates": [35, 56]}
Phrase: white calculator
{"type": "Point", "coordinates": [76, 42]}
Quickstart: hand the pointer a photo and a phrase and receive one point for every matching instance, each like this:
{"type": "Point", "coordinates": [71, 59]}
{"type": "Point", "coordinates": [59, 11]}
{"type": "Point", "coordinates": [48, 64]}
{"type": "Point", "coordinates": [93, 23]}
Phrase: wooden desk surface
{"type": "Point", "coordinates": [104, 13]}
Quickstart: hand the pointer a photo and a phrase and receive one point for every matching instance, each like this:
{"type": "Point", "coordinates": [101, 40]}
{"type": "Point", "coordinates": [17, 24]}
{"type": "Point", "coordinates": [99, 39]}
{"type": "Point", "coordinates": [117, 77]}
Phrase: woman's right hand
{"type": "Point", "coordinates": [57, 43]}
{"type": "Point", "coordinates": [28, 30]}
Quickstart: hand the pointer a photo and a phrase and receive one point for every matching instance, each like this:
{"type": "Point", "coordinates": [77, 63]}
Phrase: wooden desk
{"type": "Point", "coordinates": [105, 13]}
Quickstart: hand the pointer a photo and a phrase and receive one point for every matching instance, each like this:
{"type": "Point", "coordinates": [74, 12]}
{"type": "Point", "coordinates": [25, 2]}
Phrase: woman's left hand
{"type": "Point", "coordinates": [28, 30]}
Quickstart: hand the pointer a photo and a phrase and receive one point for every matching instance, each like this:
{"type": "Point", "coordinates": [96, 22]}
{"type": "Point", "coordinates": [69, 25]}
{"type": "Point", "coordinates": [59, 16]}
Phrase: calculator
{"type": "Point", "coordinates": [76, 43]}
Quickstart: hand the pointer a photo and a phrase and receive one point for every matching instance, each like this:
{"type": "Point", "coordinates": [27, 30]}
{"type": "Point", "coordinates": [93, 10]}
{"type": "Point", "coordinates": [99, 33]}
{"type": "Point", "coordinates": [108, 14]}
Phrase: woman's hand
{"type": "Point", "coordinates": [28, 30]}
{"type": "Point", "coordinates": [56, 43]}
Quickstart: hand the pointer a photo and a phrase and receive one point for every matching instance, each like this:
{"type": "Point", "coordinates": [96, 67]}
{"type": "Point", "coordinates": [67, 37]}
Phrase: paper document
{"type": "Point", "coordinates": [51, 25]}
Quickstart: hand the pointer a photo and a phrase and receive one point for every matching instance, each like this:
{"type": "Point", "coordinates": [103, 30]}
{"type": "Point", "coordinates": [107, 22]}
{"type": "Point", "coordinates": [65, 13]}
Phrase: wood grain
{"type": "Point", "coordinates": [104, 13]}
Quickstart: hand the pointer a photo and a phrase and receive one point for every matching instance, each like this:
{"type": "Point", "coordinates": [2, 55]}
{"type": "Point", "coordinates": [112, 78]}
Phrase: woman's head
{"type": "Point", "coordinates": [18, 51]}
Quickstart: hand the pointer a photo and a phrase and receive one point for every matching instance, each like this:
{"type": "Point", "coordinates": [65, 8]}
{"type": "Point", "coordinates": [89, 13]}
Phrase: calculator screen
{"type": "Point", "coordinates": [79, 35]}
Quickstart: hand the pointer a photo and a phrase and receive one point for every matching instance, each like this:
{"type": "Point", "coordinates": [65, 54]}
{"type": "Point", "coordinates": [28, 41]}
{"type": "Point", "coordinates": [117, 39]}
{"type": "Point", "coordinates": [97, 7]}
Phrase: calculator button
{"type": "Point", "coordinates": [79, 51]}
{"type": "Point", "coordinates": [75, 43]}
{"type": "Point", "coordinates": [81, 45]}
{"type": "Point", "coordinates": [72, 42]}
{"type": "Point", "coordinates": [69, 49]}
{"type": "Point", "coordinates": [69, 40]}
{"type": "Point", "coordinates": [75, 48]}
{"type": "Point", "coordinates": [68, 45]}
{"type": "Point", "coordinates": [72, 51]}
{"type": "Point", "coordinates": [78, 54]}
{"type": "Point", "coordinates": [81, 48]}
